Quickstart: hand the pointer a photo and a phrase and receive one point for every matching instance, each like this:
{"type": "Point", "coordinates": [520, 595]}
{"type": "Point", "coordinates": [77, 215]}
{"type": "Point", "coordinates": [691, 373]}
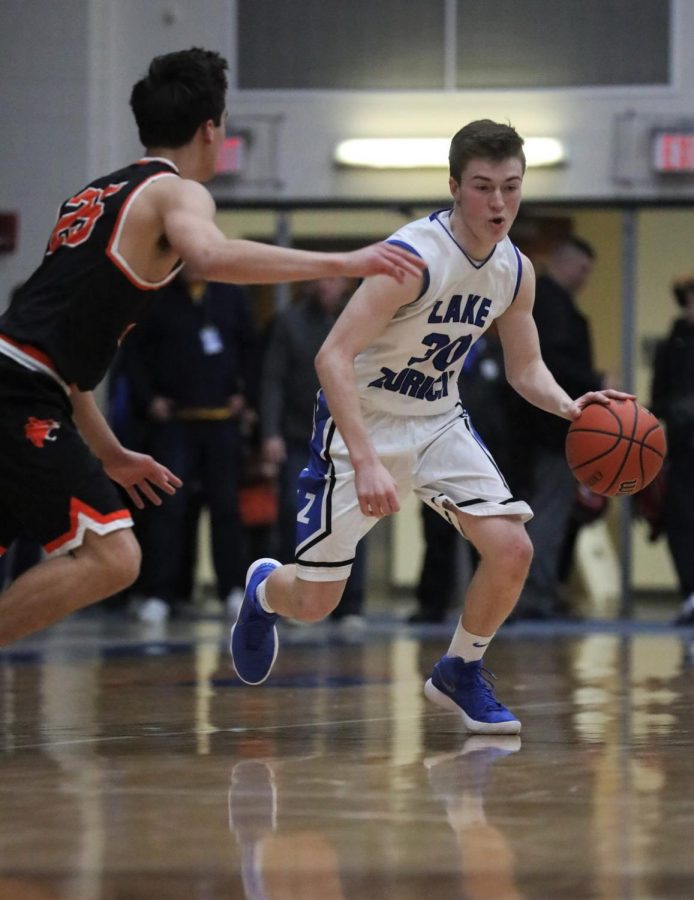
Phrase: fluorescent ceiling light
{"type": "Point", "coordinates": [430, 153]}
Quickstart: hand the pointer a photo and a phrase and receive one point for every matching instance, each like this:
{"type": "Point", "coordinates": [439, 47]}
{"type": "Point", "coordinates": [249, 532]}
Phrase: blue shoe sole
{"type": "Point", "coordinates": [431, 692]}
{"type": "Point", "coordinates": [249, 574]}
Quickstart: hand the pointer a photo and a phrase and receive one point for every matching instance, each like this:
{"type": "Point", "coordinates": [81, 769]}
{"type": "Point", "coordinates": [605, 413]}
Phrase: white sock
{"type": "Point", "coordinates": [261, 598]}
{"type": "Point", "coordinates": [470, 646]}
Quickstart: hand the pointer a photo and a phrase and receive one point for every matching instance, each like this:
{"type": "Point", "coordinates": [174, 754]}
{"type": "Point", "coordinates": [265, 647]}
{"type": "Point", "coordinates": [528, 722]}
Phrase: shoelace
{"type": "Point", "coordinates": [484, 680]}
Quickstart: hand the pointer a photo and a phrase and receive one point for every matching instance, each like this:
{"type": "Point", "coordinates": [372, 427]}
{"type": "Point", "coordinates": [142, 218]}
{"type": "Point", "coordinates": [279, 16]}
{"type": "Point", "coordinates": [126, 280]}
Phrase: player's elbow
{"type": "Point", "coordinates": [212, 258]}
{"type": "Point", "coordinates": [322, 362]}
{"type": "Point", "coordinates": [332, 363]}
{"type": "Point", "coordinates": [204, 263]}
{"type": "Point", "coordinates": [516, 381]}
{"type": "Point", "coordinates": [198, 260]}
{"type": "Point", "coordinates": [521, 377]}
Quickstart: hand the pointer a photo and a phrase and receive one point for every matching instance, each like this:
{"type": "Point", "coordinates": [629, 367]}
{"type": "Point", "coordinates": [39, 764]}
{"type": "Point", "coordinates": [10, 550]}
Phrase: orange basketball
{"type": "Point", "coordinates": [615, 449]}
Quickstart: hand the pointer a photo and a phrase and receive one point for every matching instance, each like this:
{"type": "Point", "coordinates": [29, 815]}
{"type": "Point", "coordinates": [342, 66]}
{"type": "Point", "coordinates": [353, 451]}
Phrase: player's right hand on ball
{"type": "Point", "coordinates": [603, 397]}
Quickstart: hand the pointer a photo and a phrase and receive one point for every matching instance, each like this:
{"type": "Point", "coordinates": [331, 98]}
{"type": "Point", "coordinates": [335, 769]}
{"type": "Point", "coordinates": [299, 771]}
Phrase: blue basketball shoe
{"type": "Point", "coordinates": [254, 636]}
{"type": "Point", "coordinates": [466, 688]}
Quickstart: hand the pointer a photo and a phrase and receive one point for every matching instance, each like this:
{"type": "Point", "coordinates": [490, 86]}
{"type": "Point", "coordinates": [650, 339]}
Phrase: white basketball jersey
{"type": "Point", "coordinates": [412, 368]}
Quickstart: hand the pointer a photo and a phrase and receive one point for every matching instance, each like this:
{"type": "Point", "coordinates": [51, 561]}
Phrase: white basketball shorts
{"type": "Point", "coordinates": [441, 458]}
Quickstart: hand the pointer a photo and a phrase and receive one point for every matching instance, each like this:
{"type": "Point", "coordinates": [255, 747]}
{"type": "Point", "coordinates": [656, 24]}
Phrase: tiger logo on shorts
{"type": "Point", "coordinates": [38, 431]}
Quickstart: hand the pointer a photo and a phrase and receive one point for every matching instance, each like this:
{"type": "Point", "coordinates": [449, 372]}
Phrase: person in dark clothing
{"type": "Point", "coordinates": [190, 366]}
{"type": "Point", "coordinates": [550, 488]}
{"type": "Point", "coordinates": [672, 400]}
{"type": "Point", "coordinates": [288, 394]}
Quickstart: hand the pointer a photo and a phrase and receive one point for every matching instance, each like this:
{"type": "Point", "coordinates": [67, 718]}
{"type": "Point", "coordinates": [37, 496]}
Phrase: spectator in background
{"type": "Point", "coordinates": [672, 400]}
{"type": "Point", "coordinates": [189, 366]}
{"type": "Point", "coordinates": [288, 394]}
{"type": "Point", "coordinates": [566, 347]}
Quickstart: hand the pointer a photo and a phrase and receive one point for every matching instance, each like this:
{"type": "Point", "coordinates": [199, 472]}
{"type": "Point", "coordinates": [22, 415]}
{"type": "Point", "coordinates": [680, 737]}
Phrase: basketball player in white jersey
{"type": "Point", "coordinates": [388, 421]}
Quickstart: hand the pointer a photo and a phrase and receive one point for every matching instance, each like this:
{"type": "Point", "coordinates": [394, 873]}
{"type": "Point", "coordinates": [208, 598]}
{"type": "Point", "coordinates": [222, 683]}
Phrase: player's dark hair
{"type": "Point", "coordinates": [484, 139]}
{"type": "Point", "coordinates": [180, 91]}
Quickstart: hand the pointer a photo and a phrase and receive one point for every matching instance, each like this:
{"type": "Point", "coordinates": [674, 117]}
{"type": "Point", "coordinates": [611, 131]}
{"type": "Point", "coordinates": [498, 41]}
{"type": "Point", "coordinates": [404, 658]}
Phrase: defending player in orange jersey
{"type": "Point", "coordinates": [115, 241]}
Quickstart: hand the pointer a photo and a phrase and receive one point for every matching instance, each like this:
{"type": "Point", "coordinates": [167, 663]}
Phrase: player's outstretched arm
{"type": "Point", "coordinates": [188, 217]}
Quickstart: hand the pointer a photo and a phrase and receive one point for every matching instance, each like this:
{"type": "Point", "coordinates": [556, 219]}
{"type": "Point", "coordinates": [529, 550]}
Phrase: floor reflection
{"type": "Point", "coordinates": [140, 767]}
{"type": "Point", "coordinates": [460, 780]}
{"type": "Point", "coordinates": [299, 863]}
{"type": "Point", "coordinates": [283, 858]}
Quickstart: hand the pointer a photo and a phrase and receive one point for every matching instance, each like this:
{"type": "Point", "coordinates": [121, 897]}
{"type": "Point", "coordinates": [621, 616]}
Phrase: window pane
{"type": "Point", "coordinates": [562, 43]}
{"type": "Point", "coordinates": [341, 44]}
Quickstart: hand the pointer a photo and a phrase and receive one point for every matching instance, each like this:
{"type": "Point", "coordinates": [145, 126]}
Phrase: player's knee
{"type": "Point", "coordinates": [118, 557]}
{"type": "Point", "coordinates": [125, 565]}
{"type": "Point", "coordinates": [519, 553]}
{"type": "Point", "coordinates": [510, 553]}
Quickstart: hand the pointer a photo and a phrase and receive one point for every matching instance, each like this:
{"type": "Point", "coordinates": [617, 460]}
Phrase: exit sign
{"type": "Point", "coordinates": [233, 155]}
{"type": "Point", "coordinates": [673, 152]}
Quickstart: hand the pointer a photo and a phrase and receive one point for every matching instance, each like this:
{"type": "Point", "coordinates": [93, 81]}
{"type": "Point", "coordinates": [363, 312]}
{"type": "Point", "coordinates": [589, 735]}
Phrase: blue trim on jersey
{"type": "Point", "coordinates": [520, 272]}
{"type": "Point", "coordinates": [426, 278]}
{"type": "Point", "coordinates": [434, 217]}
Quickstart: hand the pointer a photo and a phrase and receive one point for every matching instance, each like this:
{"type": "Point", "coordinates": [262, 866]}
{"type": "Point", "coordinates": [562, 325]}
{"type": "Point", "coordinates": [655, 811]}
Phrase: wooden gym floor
{"type": "Point", "coordinates": [135, 765]}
